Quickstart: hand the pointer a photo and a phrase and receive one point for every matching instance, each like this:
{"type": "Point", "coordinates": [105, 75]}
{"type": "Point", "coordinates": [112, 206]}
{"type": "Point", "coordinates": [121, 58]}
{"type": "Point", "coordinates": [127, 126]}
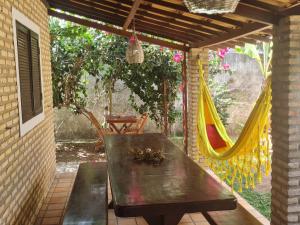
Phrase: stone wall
{"type": "Point", "coordinates": [286, 123]}
{"type": "Point", "coordinates": [27, 164]}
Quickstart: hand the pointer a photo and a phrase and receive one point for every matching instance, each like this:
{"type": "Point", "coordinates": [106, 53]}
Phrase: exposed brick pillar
{"type": "Point", "coordinates": [193, 86]}
{"type": "Point", "coordinates": [286, 123]}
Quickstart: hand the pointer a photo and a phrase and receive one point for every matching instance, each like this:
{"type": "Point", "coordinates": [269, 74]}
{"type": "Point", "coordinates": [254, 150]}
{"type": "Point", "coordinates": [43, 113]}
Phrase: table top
{"type": "Point", "coordinates": [120, 119]}
{"type": "Point", "coordinates": [178, 184]}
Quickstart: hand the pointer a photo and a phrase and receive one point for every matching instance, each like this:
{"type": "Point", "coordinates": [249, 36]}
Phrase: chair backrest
{"type": "Point", "coordinates": [142, 122]}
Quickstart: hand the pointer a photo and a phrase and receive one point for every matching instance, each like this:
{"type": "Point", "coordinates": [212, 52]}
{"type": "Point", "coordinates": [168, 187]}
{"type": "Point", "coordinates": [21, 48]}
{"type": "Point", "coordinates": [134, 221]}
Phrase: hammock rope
{"type": "Point", "coordinates": [244, 161]}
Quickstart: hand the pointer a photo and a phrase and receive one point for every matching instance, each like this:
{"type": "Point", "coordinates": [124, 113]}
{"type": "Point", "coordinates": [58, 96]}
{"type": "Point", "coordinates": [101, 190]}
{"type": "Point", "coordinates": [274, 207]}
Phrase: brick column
{"type": "Point", "coordinates": [193, 86]}
{"type": "Point", "coordinates": [286, 123]}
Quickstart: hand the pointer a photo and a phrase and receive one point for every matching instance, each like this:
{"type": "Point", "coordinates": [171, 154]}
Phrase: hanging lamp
{"type": "Point", "coordinates": [211, 6]}
{"type": "Point", "coordinates": [134, 52]}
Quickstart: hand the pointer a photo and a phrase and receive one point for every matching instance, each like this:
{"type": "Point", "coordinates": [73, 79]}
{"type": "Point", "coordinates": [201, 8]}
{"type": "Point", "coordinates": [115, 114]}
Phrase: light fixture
{"type": "Point", "coordinates": [134, 52]}
{"type": "Point", "coordinates": [211, 6]}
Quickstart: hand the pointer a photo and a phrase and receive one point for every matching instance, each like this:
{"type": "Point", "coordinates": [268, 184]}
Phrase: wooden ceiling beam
{"type": "Point", "coordinates": [122, 9]}
{"type": "Point", "coordinates": [234, 34]}
{"type": "Point", "coordinates": [132, 13]}
{"type": "Point", "coordinates": [87, 11]}
{"type": "Point", "coordinates": [292, 10]}
{"type": "Point", "coordinates": [83, 10]}
{"type": "Point", "coordinates": [247, 40]}
{"type": "Point", "coordinates": [261, 5]}
{"type": "Point", "coordinates": [187, 28]}
{"type": "Point", "coordinates": [148, 7]}
{"type": "Point", "coordinates": [183, 9]}
{"type": "Point", "coordinates": [165, 25]}
{"type": "Point", "coordinates": [116, 31]}
{"type": "Point", "coordinates": [257, 15]}
{"type": "Point", "coordinates": [143, 12]}
{"type": "Point", "coordinates": [163, 30]}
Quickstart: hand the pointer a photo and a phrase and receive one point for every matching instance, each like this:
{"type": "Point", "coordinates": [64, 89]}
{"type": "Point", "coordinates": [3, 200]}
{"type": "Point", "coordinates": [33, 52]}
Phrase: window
{"type": "Point", "coordinates": [28, 66]}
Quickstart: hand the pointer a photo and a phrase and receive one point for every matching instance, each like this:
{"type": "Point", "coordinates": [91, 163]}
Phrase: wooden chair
{"type": "Point", "coordinates": [138, 128]}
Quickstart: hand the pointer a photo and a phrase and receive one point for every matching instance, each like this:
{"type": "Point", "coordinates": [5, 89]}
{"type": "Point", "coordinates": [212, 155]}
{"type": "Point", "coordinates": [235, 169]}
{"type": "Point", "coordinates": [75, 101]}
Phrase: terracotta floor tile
{"type": "Point", "coordinates": [61, 189]}
{"type": "Point", "coordinates": [63, 194]}
{"type": "Point", "coordinates": [54, 213]}
{"type": "Point", "coordinates": [186, 218]}
{"type": "Point", "coordinates": [51, 221]}
{"type": "Point", "coordinates": [55, 200]}
{"type": "Point", "coordinates": [126, 221]}
{"type": "Point", "coordinates": [56, 206]}
{"type": "Point", "coordinates": [197, 217]}
{"type": "Point", "coordinates": [141, 221]}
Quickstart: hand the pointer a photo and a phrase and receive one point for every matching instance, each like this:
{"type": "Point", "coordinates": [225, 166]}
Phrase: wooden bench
{"type": "Point", "coordinates": [237, 216]}
{"type": "Point", "coordinates": [88, 201]}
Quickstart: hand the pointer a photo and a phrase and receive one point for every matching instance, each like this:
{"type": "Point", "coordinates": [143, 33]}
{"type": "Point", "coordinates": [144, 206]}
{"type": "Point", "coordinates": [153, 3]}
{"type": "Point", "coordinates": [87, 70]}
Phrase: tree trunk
{"type": "Point", "coordinates": [166, 130]}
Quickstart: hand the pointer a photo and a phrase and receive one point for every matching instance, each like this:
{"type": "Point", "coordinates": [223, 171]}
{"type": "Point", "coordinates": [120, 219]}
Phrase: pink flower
{"type": "Point", "coordinates": [132, 39]}
{"type": "Point", "coordinates": [223, 52]}
{"type": "Point", "coordinates": [177, 57]}
{"type": "Point", "coordinates": [161, 48]}
{"type": "Point", "coordinates": [226, 66]}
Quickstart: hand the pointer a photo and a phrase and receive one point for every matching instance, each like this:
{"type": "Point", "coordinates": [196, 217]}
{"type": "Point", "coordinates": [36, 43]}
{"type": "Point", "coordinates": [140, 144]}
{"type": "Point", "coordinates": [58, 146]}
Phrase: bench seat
{"type": "Point", "coordinates": [88, 200]}
{"type": "Point", "coordinates": [231, 217]}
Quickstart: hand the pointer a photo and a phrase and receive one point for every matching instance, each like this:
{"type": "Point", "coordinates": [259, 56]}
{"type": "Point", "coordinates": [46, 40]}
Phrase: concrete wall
{"type": "Point", "coordinates": [27, 164]}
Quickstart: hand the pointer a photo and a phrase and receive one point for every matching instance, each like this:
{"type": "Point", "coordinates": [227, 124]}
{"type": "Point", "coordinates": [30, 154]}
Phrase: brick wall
{"type": "Point", "coordinates": [27, 164]}
{"type": "Point", "coordinates": [286, 123]}
{"type": "Point", "coordinates": [193, 86]}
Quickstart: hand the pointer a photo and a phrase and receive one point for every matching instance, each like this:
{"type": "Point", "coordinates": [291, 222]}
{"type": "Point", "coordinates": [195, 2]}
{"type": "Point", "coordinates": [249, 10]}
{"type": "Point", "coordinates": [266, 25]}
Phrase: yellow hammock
{"type": "Point", "coordinates": [241, 162]}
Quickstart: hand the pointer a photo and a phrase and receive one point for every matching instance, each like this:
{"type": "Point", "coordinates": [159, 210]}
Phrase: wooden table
{"type": "Point", "coordinates": [161, 194]}
{"type": "Point", "coordinates": [119, 123]}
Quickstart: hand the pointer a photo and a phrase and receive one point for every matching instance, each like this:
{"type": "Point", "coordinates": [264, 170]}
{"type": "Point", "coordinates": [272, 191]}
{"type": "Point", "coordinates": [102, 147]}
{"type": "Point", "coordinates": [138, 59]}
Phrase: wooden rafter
{"type": "Point", "coordinates": [183, 9]}
{"type": "Point", "coordinates": [259, 4]}
{"type": "Point", "coordinates": [132, 13]}
{"type": "Point", "coordinates": [293, 10]}
{"type": "Point", "coordinates": [105, 16]}
{"type": "Point", "coordinates": [256, 14]}
{"type": "Point", "coordinates": [170, 19]}
{"type": "Point", "coordinates": [113, 30]}
{"type": "Point", "coordinates": [235, 34]}
{"type": "Point", "coordinates": [179, 16]}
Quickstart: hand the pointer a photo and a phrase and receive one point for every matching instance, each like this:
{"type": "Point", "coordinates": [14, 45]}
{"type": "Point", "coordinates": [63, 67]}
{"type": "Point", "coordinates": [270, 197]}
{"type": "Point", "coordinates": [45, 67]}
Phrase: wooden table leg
{"type": "Point", "coordinates": [170, 219]}
{"type": "Point", "coordinates": [111, 204]}
{"type": "Point", "coordinates": [115, 128]}
{"type": "Point", "coordinates": [209, 219]}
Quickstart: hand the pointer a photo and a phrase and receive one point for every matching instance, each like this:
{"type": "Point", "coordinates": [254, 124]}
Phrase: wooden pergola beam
{"type": "Point", "coordinates": [110, 17]}
{"type": "Point", "coordinates": [132, 13]}
{"type": "Point", "coordinates": [256, 14]}
{"type": "Point", "coordinates": [173, 15]}
{"type": "Point", "coordinates": [292, 10]}
{"type": "Point", "coordinates": [182, 8]}
{"type": "Point", "coordinates": [259, 4]}
{"type": "Point", "coordinates": [234, 34]}
{"type": "Point", "coordinates": [113, 30]}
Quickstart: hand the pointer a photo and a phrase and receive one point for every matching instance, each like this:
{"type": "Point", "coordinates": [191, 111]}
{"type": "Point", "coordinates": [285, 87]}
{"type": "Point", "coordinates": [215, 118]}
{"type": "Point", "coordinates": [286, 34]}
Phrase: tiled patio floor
{"type": "Point", "coordinates": [53, 209]}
